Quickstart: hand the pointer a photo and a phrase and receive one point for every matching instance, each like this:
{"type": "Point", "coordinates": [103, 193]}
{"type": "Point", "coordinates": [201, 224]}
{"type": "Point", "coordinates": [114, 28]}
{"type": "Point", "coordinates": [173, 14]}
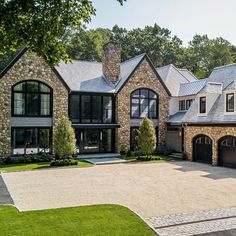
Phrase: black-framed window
{"type": "Point", "coordinates": [95, 109]}
{"type": "Point", "coordinates": [188, 103]}
{"type": "Point", "coordinates": [144, 103]}
{"type": "Point", "coordinates": [230, 102]}
{"type": "Point", "coordinates": [202, 106]}
{"type": "Point", "coordinates": [182, 105]}
{"type": "Point", "coordinates": [32, 99]}
{"type": "Point", "coordinates": [26, 140]}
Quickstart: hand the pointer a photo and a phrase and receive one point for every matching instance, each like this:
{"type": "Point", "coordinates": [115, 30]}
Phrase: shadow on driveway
{"type": "Point", "coordinates": [212, 172]}
{"type": "Point", "coordinates": [5, 197]}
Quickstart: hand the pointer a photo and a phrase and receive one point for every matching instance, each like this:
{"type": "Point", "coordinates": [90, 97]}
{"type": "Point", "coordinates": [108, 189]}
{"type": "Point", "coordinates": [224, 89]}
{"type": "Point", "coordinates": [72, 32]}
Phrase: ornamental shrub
{"type": "Point", "coordinates": [64, 139]}
{"type": "Point", "coordinates": [146, 137]}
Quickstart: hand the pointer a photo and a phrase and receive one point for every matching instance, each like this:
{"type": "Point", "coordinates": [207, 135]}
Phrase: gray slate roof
{"type": "Point", "coordinates": [191, 88]}
{"type": "Point", "coordinates": [221, 78]}
{"type": "Point", "coordinates": [177, 118]}
{"type": "Point", "coordinates": [174, 77]}
{"type": "Point", "coordinates": [188, 75]}
{"type": "Point", "coordinates": [212, 87]}
{"type": "Point", "coordinates": [87, 76]}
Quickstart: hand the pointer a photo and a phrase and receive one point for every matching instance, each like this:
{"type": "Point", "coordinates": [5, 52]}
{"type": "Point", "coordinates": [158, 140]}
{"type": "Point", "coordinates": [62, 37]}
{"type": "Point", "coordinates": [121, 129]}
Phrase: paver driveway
{"type": "Point", "coordinates": [147, 189]}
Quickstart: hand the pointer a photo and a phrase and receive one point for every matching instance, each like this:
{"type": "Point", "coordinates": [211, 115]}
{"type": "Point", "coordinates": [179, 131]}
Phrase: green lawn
{"type": "Point", "coordinates": [33, 166]}
{"type": "Point", "coordinates": [163, 159]}
{"type": "Point", "coordinates": [99, 220]}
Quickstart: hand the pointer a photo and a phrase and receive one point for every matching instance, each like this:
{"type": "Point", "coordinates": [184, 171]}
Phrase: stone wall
{"type": "Point", "coordinates": [213, 132]}
{"type": "Point", "coordinates": [111, 61]}
{"type": "Point", "coordinates": [143, 77]}
{"type": "Point", "coordinates": [28, 67]}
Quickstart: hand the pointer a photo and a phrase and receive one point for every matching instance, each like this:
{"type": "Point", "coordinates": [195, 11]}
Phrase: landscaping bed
{"type": "Point", "coordinates": [87, 220]}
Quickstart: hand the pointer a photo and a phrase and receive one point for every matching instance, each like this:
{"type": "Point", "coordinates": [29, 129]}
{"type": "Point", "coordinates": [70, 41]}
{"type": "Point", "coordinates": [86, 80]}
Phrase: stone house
{"type": "Point", "coordinates": [107, 101]}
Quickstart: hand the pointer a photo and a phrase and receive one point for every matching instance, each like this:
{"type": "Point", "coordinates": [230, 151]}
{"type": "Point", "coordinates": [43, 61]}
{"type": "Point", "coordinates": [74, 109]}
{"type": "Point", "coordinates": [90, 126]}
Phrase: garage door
{"type": "Point", "coordinates": [227, 151]}
{"type": "Point", "coordinates": [202, 149]}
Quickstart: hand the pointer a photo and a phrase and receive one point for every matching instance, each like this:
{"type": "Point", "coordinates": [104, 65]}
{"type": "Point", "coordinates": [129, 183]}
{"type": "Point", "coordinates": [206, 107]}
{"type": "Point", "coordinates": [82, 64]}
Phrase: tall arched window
{"type": "Point", "coordinates": [144, 103]}
{"type": "Point", "coordinates": [31, 98]}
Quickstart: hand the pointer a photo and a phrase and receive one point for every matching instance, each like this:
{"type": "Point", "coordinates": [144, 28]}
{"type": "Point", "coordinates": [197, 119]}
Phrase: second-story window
{"type": "Point", "coordinates": [32, 98]}
{"type": "Point", "coordinates": [202, 106]}
{"type": "Point", "coordinates": [182, 105]}
{"type": "Point", "coordinates": [144, 103]}
{"type": "Point", "coordinates": [91, 108]}
{"type": "Point", "coordinates": [230, 102]}
{"type": "Point", "coordinates": [188, 103]}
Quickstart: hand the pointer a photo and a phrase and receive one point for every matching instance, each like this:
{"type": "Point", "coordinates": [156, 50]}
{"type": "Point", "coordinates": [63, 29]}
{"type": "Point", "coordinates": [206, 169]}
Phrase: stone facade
{"type": "Point", "coordinates": [143, 77]}
{"type": "Point", "coordinates": [111, 61]}
{"type": "Point", "coordinates": [213, 132]}
{"type": "Point", "coordinates": [28, 67]}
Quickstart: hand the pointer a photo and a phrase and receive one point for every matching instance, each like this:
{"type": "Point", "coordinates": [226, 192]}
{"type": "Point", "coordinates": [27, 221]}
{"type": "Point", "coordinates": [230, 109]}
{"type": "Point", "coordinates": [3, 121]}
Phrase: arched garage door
{"type": "Point", "coordinates": [202, 149]}
{"type": "Point", "coordinates": [227, 151]}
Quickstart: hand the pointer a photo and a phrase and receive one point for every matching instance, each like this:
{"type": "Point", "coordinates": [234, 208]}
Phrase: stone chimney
{"type": "Point", "coordinates": [111, 60]}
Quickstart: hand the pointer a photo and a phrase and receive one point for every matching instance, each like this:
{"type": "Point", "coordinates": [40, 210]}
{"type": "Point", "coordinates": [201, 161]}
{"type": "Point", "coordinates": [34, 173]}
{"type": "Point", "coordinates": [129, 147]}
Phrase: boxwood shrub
{"type": "Point", "coordinates": [64, 162]}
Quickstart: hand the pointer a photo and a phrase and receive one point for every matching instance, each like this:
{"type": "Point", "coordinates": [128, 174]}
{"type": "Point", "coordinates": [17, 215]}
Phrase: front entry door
{"type": "Point", "coordinates": [91, 141]}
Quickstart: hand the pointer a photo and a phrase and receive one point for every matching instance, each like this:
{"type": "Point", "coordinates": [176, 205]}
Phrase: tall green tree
{"type": "Point", "coordinates": [42, 25]}
{"type": "Point", "coordinates": [87, 45]}
{"type": "Point", "coordinates": [204, 54]}
{"type": "Point", "coordinates": [157, 42]}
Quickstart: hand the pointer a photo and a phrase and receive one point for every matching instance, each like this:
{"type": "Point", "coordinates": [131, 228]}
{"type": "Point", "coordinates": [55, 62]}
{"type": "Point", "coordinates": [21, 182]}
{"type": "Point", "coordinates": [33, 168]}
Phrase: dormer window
{"type": "Point", "coordinates": [182, 105]}
{"type": "Point", "coordinates": [230, 102]}
{"type": "Point", "coordinates": [202, 106]}
{"type": "Point", "coordinates": [188, 103]}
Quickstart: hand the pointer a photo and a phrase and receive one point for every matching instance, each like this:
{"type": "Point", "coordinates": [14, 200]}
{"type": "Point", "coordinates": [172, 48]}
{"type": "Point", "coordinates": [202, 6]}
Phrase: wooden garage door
{"type": "Point", "coordinates": [202, 149]}
{"type": "Point", "coordinates": [227, 152]}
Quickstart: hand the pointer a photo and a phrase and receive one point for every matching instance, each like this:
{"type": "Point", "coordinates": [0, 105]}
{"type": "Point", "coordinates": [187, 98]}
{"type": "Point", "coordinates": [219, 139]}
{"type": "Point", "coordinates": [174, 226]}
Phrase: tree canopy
{"type": "Point", "coordinates": [42, 25]}
{"type": "Point", "coordinates": [200, 57]}
{"type": "Point", "coordinates": [55, 29]}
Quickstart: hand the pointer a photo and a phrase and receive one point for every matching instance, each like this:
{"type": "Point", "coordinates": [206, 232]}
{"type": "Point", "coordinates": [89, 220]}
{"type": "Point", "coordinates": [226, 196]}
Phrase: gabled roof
{"type": "Point", "coordinates": [174, 77]}
{"type": "Point", "coordinates": [84, 76]}
{"type": "Point", "coordinates": [87, 76]}
{"type": "Point", "coordinates": [15, 59]}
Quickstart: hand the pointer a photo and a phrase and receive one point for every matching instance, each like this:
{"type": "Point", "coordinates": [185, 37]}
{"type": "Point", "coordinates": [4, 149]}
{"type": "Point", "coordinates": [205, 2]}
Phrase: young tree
{"type": "Point", "coordinates": [147, 137]}
{"type": "Point", "coordinates": [64, 139]}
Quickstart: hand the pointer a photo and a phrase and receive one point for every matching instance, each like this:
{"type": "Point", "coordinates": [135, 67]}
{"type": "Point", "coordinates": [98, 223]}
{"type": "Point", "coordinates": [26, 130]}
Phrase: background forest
{"type": "Point", "coordinates": [200, 56]}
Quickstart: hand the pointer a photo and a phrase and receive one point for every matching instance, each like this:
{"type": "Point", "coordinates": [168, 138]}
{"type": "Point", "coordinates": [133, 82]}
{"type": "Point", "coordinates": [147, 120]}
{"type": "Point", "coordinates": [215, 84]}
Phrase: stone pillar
{"type": "Point", "coordinates": [214, 153]}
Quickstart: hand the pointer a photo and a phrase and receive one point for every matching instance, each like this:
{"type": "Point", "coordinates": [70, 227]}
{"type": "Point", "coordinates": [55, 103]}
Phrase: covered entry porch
{"type": "Point", "coordinates": [95, 139]}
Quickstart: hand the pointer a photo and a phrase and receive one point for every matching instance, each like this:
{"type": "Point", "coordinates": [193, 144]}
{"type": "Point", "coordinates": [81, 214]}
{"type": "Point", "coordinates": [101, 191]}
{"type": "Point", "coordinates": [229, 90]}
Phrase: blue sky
{"type": "Point", "coordinates": [184, 18]}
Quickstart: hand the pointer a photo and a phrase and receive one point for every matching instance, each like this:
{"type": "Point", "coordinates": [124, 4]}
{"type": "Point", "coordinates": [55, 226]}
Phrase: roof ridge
{"type": "Point", "coordinates": [94, 62]}
{"type": "Point", "coordinates": [164, 66]}
{"type": "Point", "coordinates": [228, 65]}
{"type": "Point", "coordinates": [191, 82]}
{"type": "Point", "coordinates": [133, 58]}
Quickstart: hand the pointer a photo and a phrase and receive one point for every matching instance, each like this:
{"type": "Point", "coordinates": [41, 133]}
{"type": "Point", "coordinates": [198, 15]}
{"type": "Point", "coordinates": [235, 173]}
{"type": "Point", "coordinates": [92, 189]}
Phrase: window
{"type": "Point", "coordinates": [188, 103]}
{"type": "Point", "coordinates": [32, 98]}
{"type": "Point", "coordinates": [31, 140]}
{"type": "Point", "coordinates": [182, 105]}
{"type": "Point", "coordinates": [202, 105]}
{"type": "Point", "coordinates": [107, 109]}
{"type": "Point", "coordinates": [74, 107]}
{"type": "Point", "coordinates": [230, 102]}
{"type": "Point", "coordinates": [91, 109]}
{"type": "Point", "coordinates": [144, 103]}
{"type": "Point", "coordinates": [86, 109]}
